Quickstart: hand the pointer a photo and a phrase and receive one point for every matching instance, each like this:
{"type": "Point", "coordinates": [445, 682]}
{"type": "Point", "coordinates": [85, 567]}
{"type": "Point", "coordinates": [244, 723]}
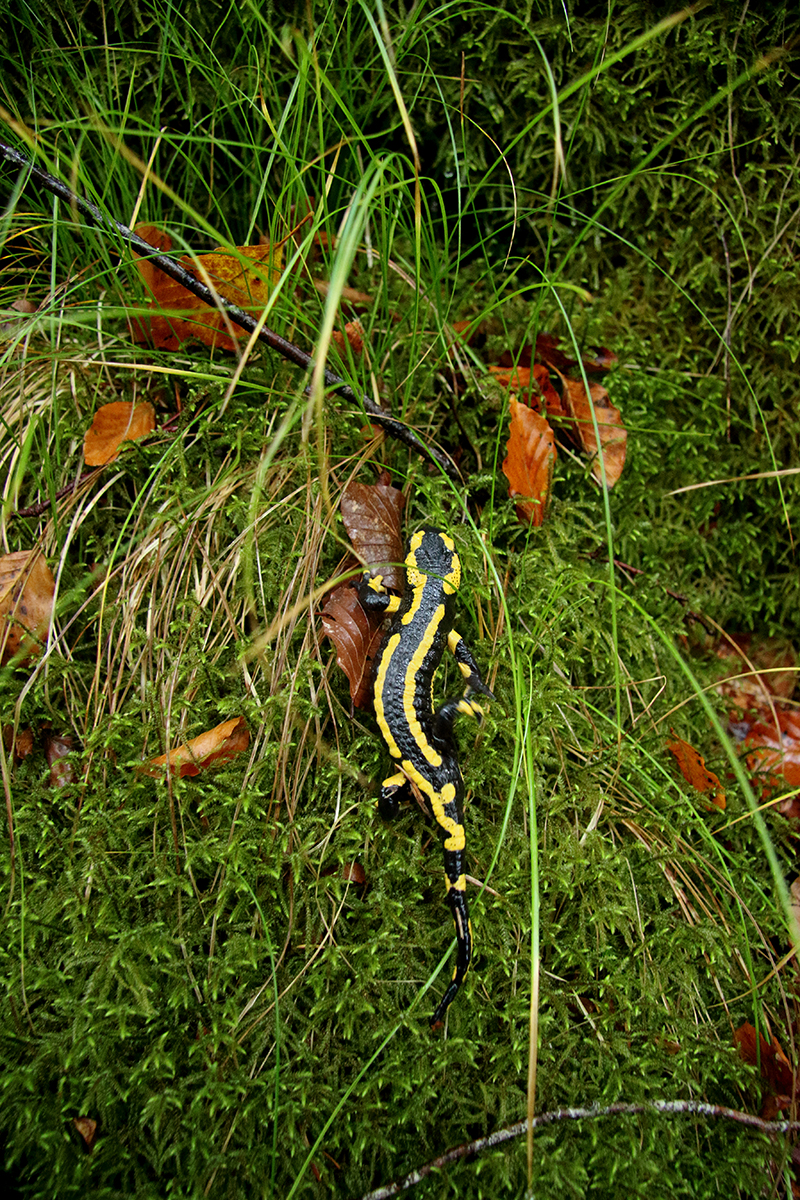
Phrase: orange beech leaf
{"type": "Point", "coordinates": [775, 1067]}
{"type": "Point", "coordinates": [756, 668]}
{"type": "Point", "coordinates": [178, 316]}
{"type": "Point", "coordinates": [356, 636]}
{"type": "Point", "coordinates": [27, 588]}
{"type": "Point", "coordinates": [113, 424]}
{"type": "Point", "coordinates": [528, 465]}
{"type": "Point", "coordinates": [692, 767]}
{"type": "Point", "coordinates": [372, 514]}
{"type": "Point", "coordinates": [774, 755]}
{"type": "Point", "coordinates": [217, 745]}
{"type": "Point", "coordinates": [613, 435]}
{"type": "Point", "coordinates": [354, 334]}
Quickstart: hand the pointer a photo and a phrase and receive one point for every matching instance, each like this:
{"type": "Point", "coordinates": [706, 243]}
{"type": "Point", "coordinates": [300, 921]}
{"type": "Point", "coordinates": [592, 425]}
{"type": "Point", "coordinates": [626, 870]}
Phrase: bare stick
{"type": "Point", "coordinates": [665, 1107]}
{"type": "Point", "coordinates": [244, 320]}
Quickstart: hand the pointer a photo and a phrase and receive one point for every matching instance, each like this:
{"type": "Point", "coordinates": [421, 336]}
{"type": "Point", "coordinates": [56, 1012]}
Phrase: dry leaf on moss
{"type": "Point", "coordinates": [27, 589]}
{"type": "Point", "coordinates": [613, 435]}
{"type": "Point", "coordinates": [217, 745]}
{"type": "Point", "coordinates": [113, 424]}
{"type": "Point", "coordinates": [179, 316]}
{"type": "Point", "coordinates": [372, 514]}
{"type": "Point", "coordinates": [528, 465]}
{"type": "Point", "coordinates": [692, 767]}
{"type": "Point", "coordinates": [356, 636]}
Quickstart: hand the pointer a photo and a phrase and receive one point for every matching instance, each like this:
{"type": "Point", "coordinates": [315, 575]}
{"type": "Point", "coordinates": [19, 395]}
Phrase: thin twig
{"type": "Point", "coordinates": [664, 1107]}
{"type": "Point", "coordinates": [238, 316]}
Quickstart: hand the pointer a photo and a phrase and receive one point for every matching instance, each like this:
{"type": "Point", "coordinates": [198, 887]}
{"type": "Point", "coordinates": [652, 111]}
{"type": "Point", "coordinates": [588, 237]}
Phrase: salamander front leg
{"type": "Point", "coordinates": [394, 791]}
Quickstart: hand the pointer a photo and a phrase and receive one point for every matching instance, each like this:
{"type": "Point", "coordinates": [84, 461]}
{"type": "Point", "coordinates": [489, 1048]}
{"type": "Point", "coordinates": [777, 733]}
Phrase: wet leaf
{"type": "Point", "coordinates": [178, 316]}
{"type": "Point", "coordinates": [357, 636]}
{"type": "Point", "coordinates": [692, 767]}
{"type": "Point", "coordinates": [613, 435]}
{"type": "Point", "coordinates": [27, 589]}
{"type": "Point", "coordinates": [372, 515]}
{"type": "Point", "coordinates": [113, 424]}
{"type": "Point", "coordinates": [217, 745]}
{"type": "Point", "coordinates": [528, 465]}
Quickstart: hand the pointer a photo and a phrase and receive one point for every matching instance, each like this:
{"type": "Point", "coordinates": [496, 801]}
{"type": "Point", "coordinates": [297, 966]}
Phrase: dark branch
{"type": "Point", "coordinates": [244, 320]}
{"type": "Point", "coordinates": [665, 1107]}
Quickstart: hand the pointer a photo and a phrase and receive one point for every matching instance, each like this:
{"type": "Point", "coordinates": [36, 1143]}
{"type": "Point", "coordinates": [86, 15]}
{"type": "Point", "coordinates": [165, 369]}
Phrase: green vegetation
{"type": "Point", "coordinates": [188, 961]}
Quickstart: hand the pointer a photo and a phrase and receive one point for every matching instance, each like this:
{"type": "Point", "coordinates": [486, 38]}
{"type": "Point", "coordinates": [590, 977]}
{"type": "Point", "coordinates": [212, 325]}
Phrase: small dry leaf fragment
{"type": "Point", "coordinates": [692, 767]}
{"type": "Point", "coordinates": [217, 745]}
{"type": "Point", "coordinates": [179, 316]}
{"type": "Point", "coordinates": [354, 873]}
{"type": "Point", "coordinates": [613, 435]}
{"type": "Point", "coordinates": [353, 334]}
{"type": "Point", "coordinates": [87, 1128]}
{"type": "Point", "coordinates": [528, 465]}
{"type": "Point", "coordinates": [113, 424]}
{"type": "Point", "coordinates": [372, 514]}
{"type": "Point", "coordinates": [56, 748]}
{"type": "Point", "coordinates": [27, 588]}
{"type": "Point", "coordinates": [356, 636]}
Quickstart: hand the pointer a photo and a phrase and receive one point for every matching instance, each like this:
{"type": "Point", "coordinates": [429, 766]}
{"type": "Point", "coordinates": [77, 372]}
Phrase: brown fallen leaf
{"type": "Point", "coordinates": [87, 1128]}
{"type": "Point", "coordinates": [353, 334]}
{"type": "Point", "coordinates": [356, 636]}
{"type": "Point", "coordinates": [217, 745]}
{"type": "Point", "coordinates": [756, 668]}
{"type": "Point", "coordinates": [774, 754]}
{"type": "Point", "coordinates": [27, 588]}
{"type": "Point", "coordinates": [775, 1067]}
{"type": "Point", "coordinates": [531, 385]}
{"type": "Point", "coordinates": [56, 748]}
{"type": "Point", "coordinates": [372, 514]}
{"type": "Point", "coordinates": [613, 435]}
{"type": "Point", "coordinates": [113, 424]}
{"type": "Point", "coordinates": [692, 767]}
{"type": "Point", "coordinates": [529, 461]}
{"type": "Point", "coordinates": [178, 316]}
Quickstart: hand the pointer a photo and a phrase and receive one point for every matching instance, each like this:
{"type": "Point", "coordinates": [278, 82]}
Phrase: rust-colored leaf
{"type": "Point", "coordinates": [354, 334]}
{"type": "Point", "coordinates": [775, 1067]}
{"type": "Point", "coordinates": [613, 435]}
{"type": "Point", "coordinates": [87, 1128]}
{"type": "Point", "coordinates": [113, 424]}
{"type": "Point", "coordinates": [217, 745]}
{"type": "Point", "coordinates": [774, 754]}
{"type": "Point", "coordinates": [531, 385]}
{"type": "Point", "coordinates": [356, 636]}
{"type": "Point", "coordinates": [757, 668]}
{"type": "Point", "coordinates": [178, 316]}
{"type": "Point", "coordinates": [528, 465]}
{"type": "Point", "coordinates": [372, 514]}
{"type": "Point", "coordinates": [354, 873]}
{"type": "Point", "coordinates": [692, 767]}
{"type": "Point", "coordinates": [27, 589]}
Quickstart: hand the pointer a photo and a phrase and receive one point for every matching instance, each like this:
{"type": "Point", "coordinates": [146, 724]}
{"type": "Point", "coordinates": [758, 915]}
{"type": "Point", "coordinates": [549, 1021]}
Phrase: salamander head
{"type": "Point", "coordinates": [433, 552]}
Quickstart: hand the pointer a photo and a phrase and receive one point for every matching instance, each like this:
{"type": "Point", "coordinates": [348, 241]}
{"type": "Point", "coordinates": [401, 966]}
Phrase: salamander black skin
{"type": "Point", "coordinates": [421, 741]}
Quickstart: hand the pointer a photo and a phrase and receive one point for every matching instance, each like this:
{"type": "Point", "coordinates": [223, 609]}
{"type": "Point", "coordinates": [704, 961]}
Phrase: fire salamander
{"type": "Point", "coordinates": [420, 740]}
